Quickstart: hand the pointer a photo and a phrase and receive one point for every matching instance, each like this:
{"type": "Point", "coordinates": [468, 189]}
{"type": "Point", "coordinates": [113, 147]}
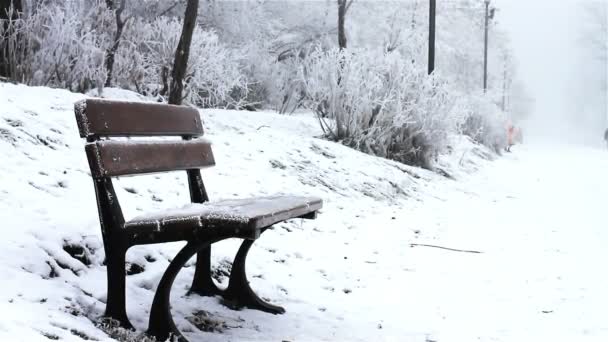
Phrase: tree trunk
{"type": "Point", "coordinates": [111, 52]}
{"type": "Point", "coordinates": [182, 53]}
{"type": "Point", "coordinates": [341, 18]}
{"type": "Point", "coordinates": [5, 6]}
{"type": "Point", "coordinates": [343, 6]}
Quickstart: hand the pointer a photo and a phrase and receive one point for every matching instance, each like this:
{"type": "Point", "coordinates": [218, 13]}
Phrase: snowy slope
{"type": "Point", "coordinates": [344, 276]}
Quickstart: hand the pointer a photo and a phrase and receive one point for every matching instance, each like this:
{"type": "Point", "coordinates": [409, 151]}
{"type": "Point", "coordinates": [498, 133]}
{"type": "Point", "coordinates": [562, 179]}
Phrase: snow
{"type": "Point", "coordinates": [537, 216]}
{"type": "Point", "coordinates": [237, 210]}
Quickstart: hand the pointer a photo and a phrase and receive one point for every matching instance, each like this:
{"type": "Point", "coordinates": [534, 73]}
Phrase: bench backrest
{"type": "Point", "coordinates": [98, 117]}
{"type": "Point", "coordinates": [109, 158]}
{"type": "Point", "coordinates": [98, 120]}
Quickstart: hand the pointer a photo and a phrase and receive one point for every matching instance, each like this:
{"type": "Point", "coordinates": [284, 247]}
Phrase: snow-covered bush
{"type": "Point", "coordinates": [272, 83]}
{"type": "Point", "coordinates": [147, 53]}
{"type": "Point", "coordinates": [419, 119]}
{"type": "Point", "coordinates": [482, 121]}
{"type": "Point", "coordinates": [379, 103]}
{"type": "Point", "coordinates": [64, 45]}
{"type": "Point", "coordinates": [343, 89]}
{"type": "Point", "coordinates": [214, 73]}
{"type": "Point", "coordinates": [10, 43]}
{"type": "Point", "coordinates": [54, 47]}
{"type": "Point", "coordinates": [375, 95]}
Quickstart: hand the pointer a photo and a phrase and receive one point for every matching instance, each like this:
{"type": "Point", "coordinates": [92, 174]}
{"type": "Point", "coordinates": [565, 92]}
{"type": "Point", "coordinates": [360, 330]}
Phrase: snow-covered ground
{"type": "Point", "coordinates": [537, 216]}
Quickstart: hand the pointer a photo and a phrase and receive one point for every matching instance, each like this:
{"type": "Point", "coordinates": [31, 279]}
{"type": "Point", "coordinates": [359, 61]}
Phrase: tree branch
{"type": "Point", "coordinates": [348, 6]}
{"type": "Point", "coordinates": [446, 248]}
{"type": "Point", "coordinates": [168, 9]}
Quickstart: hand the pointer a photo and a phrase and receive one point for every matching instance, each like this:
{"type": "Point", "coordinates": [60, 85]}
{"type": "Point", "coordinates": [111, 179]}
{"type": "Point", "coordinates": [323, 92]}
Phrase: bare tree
{"type": "Point", "coordinates": [182, 53]}
{"type": "Point", "coordinates": [120, 25]}
{"type": "Point", "coordinates": [9, 11]}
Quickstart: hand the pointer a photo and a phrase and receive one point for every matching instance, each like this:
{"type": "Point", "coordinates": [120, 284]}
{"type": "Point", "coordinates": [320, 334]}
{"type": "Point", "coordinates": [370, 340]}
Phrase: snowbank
{"type": "Point", "coordinates": [325, 272]}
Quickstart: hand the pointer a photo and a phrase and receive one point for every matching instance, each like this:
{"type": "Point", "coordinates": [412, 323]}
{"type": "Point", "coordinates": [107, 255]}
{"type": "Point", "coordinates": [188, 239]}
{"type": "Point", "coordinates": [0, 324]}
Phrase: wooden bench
{"type": "Point", "coordinates": [200, 224]}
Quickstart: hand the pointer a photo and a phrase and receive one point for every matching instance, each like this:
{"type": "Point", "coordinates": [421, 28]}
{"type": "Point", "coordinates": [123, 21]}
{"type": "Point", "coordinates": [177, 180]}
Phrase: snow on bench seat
{"type": "Point", "coordinates": [247, 214]}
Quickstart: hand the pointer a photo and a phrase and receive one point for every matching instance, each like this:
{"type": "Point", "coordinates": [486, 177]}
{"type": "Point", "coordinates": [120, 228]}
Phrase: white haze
{"type": "Point", "coordinates": [557, 64]}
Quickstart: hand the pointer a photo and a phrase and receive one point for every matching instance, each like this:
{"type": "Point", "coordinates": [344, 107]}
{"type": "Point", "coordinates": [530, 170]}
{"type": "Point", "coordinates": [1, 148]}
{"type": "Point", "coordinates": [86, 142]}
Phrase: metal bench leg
{"type": "Point", "coordinates": [239, 293]}
{"type": "Point", "coordinates": [161, 323]}
{"type": "Point", "coordinates": [116, 277]}
{"type": "Point", "coordinates": [202, 283]}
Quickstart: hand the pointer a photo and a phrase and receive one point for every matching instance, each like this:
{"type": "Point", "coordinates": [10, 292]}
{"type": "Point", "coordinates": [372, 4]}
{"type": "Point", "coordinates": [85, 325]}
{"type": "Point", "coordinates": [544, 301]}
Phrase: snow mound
{"type": "Point", "coordinates": [52, 255]}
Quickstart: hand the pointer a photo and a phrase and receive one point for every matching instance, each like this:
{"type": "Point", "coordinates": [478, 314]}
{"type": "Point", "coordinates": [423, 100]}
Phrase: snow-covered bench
{"type": "Point", "coordinates": [201, 224]}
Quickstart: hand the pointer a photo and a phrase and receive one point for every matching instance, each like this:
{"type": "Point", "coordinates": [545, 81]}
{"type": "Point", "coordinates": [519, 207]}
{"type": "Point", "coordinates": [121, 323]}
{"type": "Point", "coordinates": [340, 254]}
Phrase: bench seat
{"type": "Point", "coordinates": [245, 216]}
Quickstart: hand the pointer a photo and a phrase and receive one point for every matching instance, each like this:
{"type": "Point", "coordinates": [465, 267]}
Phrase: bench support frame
{"type": "Point", "coordinates": [238, 294]}
{"type": "Point", "coordinates": [161, 324]}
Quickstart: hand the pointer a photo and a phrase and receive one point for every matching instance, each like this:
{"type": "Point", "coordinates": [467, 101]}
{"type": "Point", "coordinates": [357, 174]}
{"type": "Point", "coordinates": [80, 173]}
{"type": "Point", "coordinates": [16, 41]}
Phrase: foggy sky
{"type": "Point", "coordinates": [548, 38]}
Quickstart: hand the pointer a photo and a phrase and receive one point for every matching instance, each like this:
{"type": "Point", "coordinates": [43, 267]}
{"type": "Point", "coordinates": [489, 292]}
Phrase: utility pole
{"type": "Point", "coordinates": [485, 48]}
{"type": "Point", "coordinates": [432, 9]}
{"type": "Point", "coordinates": [489, 15]}
{"type": "Point", "coordinates": [506, 82]}
{"type": "Point", "coordinates": [504, 88]}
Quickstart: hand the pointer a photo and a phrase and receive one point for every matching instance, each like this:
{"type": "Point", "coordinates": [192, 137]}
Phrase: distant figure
{"type": "Point", "coordinates": [606, 136]}
{"type": "Point", "coordinates": [519, 135]}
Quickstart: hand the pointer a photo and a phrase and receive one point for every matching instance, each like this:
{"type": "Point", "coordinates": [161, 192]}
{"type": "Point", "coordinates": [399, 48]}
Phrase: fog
{"type": "Point", "coordinates": [559, 65]}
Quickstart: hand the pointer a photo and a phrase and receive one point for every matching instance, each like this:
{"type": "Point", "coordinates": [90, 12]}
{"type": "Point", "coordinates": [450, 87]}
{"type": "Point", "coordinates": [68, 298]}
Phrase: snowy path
{"type": "Point", "coordinates": [539, 216]}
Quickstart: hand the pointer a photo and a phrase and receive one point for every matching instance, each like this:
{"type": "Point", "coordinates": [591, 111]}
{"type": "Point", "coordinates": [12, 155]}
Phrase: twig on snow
{"type": "Point", "coordinates": [461, 158]}
{"type": "Point", "coordinates": [446, 248]}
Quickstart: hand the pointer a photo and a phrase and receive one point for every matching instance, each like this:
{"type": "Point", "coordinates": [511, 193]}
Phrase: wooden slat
{"type": "Point", "coordinates": [98, 117]}
{"type": "Point", "coordinates": [244, 216]}
{"type": "Point", "coordinates": [109, 158]}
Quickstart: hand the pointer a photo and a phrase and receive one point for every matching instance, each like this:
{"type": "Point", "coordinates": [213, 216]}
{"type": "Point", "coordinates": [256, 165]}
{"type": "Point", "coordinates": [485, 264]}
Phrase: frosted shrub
{"type": "Point", "coordinates": [64, 45]}
{"type": "Point", "coordinates": [131, 70]}
{"type": "Point", "coordinates": [213, 70]}
{"type": "Point", "coordinates": [55, 47]}
{"type": "Point", "coordinates": [418, 120]}
{"type": "Point", "coordinates": [145, 56]}
{"type": "Point", "coordinates": [482, 121]}
{"type": "Point", "coordinates": [216, 78]}
{"type": "Point", "coordinates": [11, 48]}
{"type": "Point", "coordinates": [342, 88]}
{"type": "Point", "coordinates": [287, 91]}
{"type": "Point", "coordinates": [273, 83]}
{"type": "Point", "coordinates": [379, 104]}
